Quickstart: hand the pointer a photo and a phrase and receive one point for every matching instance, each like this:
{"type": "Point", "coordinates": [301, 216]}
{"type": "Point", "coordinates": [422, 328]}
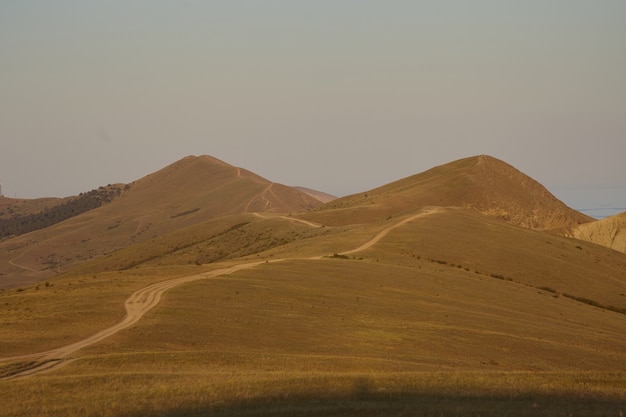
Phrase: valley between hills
{"type": "Point", "coordinates": [467, 289]}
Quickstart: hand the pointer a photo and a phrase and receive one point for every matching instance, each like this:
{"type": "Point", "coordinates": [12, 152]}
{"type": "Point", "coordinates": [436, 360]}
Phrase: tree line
{"type": "Point", "coordinates": [20, 224]}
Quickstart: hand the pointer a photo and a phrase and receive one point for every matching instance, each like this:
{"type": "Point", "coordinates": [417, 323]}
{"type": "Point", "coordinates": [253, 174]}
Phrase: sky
{"type": "Point", "coordinates": [336, 95]}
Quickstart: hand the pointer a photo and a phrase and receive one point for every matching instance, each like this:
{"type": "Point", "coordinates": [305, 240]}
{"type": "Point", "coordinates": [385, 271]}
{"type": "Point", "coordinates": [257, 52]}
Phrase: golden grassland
{"type": "Point", "coordinates": [263, 393]}
{"type": "Point", "coordinates": [451, 314]}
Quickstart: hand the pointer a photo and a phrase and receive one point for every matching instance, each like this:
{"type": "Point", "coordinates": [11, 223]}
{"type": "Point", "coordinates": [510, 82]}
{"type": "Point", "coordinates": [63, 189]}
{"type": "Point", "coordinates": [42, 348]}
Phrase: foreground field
{"type": "Point", "coordinates": [309, 338]}
{"type": "Point", "coordinates": [216, 389]}
{"type": "Point", "coordinates": [419, 323]}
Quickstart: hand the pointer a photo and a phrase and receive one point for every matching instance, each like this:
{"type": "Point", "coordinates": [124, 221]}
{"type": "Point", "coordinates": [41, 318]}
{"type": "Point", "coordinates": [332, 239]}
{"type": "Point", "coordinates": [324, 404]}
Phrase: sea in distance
{"type": "Point", "coordinates": [597, 202]}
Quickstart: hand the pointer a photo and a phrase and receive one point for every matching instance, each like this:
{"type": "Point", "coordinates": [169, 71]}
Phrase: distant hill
{"type": "Point", "coordinates": [482, 183]}
{"type": "Point", "coordinates": [318, 195]}
{"type": "Point", "coordinates": [24, 216]}
{"type": "Point", "coordinates": [197, 189]}
{"type": "Point", "coordinates": [187, 192]}
{"type": "Point", "coordinates": [609, 232]}
{"type": "Point", "coordinates": [11, 207]}
{"type": "Point", "coordinates": [213, 188]}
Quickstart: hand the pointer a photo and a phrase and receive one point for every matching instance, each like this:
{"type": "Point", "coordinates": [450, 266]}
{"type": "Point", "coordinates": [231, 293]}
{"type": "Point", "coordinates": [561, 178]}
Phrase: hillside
{"type": "Point", "coordinates": [318, 195]}
{"type": "Point", "coordinates": [24, 216]}
{"type": "Point", "coordinates": [482, 183]}
{"type": "Point", "coordinates": [192, 295]}
{"type": "Point", "coordinates": [11, 207]}
{"type": "Point", "coordinates": [447, 311]}
{"type": "Point", "coordinates": [609, 232]}
{"type": "Point", "coordinates": [185, 193]}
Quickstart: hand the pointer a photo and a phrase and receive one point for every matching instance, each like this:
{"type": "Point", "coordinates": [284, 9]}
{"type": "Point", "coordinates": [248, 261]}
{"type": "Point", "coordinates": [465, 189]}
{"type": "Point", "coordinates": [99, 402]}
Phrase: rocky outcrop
{"type": "Point", "coordinates": [609, 232]}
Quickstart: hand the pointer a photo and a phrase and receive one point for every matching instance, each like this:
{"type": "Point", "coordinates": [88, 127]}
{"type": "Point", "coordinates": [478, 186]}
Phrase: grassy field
{"type": "Point", "coordinates": [449, 315]}
{"type": "Point", "coordinates": [276, 393]}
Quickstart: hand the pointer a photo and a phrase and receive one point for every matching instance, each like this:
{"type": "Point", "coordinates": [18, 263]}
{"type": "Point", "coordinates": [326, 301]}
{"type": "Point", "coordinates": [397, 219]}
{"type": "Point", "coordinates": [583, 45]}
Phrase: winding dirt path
{"type": "Point", "coordinates": [382, 234]}
{"type": "Point", "coordinates": [143, 300]}
{"type": "Point", "coordinates": [11, 262]}
{"type": "Point", "coordinates": [291, 219]}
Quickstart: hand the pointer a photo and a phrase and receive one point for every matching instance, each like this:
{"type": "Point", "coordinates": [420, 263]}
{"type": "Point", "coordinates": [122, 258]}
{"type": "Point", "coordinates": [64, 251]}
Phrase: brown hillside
{"type": "Point", "coordinates": [318, 195]}
{"type": "Point", "coordinates": [10, 207]}
{"type": "Point", "coordinates": [187, 192]}
{"type": "Point", "coordinates": [483, 183]}
{"type": "Point", "coordinates": [452, 309]}
{"type": "Point", "coordinates": [609, 232]}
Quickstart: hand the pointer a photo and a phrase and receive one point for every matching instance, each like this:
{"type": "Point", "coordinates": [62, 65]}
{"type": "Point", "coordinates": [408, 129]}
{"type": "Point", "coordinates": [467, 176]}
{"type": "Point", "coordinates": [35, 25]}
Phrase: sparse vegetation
{"type": "Point", "coordinates": [596, 304]}
{"type": "Point", "coordinates": [413, 328]}
{"type": "Point", "coordinates": [20, 224]}
{"type": "Point", "coordinates": [185, 213]}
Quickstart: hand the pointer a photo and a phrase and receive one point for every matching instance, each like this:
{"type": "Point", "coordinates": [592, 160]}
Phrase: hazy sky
{"type": "Point", "coordinates": [337, 95]}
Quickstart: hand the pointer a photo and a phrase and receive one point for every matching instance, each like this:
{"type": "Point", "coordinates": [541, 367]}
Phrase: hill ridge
{"type": "Point", "coordinates": [187, 192]}
{"type": "Point", "coordinates": [482, 183]}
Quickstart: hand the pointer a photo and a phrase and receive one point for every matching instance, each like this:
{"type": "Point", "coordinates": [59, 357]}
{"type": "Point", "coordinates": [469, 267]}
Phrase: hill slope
{"type": "Point", "coordinates": [447, 309]}
{"type": "Point", "coordinates": [609, 232]}
{"type": "Point", "coordinates": [482, 183]}
{"type": "Point", "coordinates": [443, 310]}
{"type": "Point", "coordinates": [187, 192]}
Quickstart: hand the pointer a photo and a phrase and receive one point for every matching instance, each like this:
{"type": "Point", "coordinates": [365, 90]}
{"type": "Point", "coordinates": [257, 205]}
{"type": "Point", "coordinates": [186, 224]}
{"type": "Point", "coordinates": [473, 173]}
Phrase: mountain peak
{"type": "Point", "coordinates": [482, 183]}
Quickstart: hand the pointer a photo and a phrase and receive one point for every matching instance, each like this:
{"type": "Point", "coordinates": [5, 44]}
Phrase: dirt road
{"type": "Point", "coordinates": [382, 234]}
{"type": "Point", "coordinates": [138, 304]}
{"type": "Point", "coordinates": [142, 301]}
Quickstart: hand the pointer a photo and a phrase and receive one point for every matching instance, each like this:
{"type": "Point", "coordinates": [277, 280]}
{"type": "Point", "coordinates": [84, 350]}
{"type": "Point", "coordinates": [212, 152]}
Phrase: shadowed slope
{"type": "Point", "coordinates": [482, 183]}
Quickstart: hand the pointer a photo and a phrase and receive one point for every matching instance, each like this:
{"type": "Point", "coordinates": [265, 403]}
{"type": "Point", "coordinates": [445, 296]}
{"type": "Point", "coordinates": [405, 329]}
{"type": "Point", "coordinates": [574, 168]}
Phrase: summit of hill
{"type": "Point", "coordinates": [216, 188]}
{"type": "Point", "coordinates": [482, 183]}
{"type": "Point", "coordinates": [185, 193]}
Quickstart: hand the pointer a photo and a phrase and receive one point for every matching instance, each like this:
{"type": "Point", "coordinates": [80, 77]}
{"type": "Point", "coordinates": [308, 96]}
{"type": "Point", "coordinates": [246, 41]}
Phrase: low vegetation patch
{"type": "Point", "coordinates": [21, 224]}
{"type": "Point", "coordinates": [339, 256]}
{"type": "Point", "coordinates": [184, 213]}
{"type": "Point", "coordinates": [596, 304]}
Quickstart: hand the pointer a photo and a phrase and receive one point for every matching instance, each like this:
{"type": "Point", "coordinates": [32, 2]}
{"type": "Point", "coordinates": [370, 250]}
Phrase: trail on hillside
{"type": "Point", "coordinates": [382, 234]}
{"type": "Point", "coordinates": [291, 219]}
{"type": "Point", "coordinates": [11, 262]}
{"type": "Point", "coordinates": [143, 300]}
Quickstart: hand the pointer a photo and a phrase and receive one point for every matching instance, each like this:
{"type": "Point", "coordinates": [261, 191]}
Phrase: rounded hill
{"type": "Point", "coordinates": [482, 183]}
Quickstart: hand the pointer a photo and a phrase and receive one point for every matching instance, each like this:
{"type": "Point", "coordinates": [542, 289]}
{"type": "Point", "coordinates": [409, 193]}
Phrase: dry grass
{"type": "Point", "coordinates": [464, 239]}
{"type": "Point", "coordinates": [416, 325]}
{"type": "Point", "coordinates": [482, 183]}
{"type": "Point", "coordinates": [187, 193]}
{"type": "Point", "coordinates": [318, 394]}
{"type": "Point", "coordinates": [414, 318]}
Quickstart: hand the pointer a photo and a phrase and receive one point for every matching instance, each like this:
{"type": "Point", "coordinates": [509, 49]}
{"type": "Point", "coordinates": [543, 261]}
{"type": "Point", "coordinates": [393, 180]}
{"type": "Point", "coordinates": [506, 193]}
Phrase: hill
{"type": "Point", "coordinates": [445, 311]}
{"type": "Point", "coordinates": [11, 207]}
{"type": "Point", "coordinates": [609, 232]}
{"type": "Point", "coordinates": [24, 216]}
{"type": "Point", "coordinates": [482, 183]}
{"type": "Point", "coordinates": [185, 193]}
{"type": "Point", "coordinates": [191, 294]}
{"type": "Point", "coordinates": [318, 195]}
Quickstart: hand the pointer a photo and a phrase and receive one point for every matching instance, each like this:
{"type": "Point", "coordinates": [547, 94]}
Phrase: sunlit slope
{"type": "Point", "coordinates": [609, 232]}
{"type": "Point", "coordinates": [446, 291]}
{"type": "Point", "coordinates": [338, 315]}
{"type": "Point", "coordinates": [463, 239]}
{"type": "Point", "coordinates": [483, 183]}
{"type": "Point", "coordinates": [188, 192]}
{"type": "Point", "coordinates": [224, 238]}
